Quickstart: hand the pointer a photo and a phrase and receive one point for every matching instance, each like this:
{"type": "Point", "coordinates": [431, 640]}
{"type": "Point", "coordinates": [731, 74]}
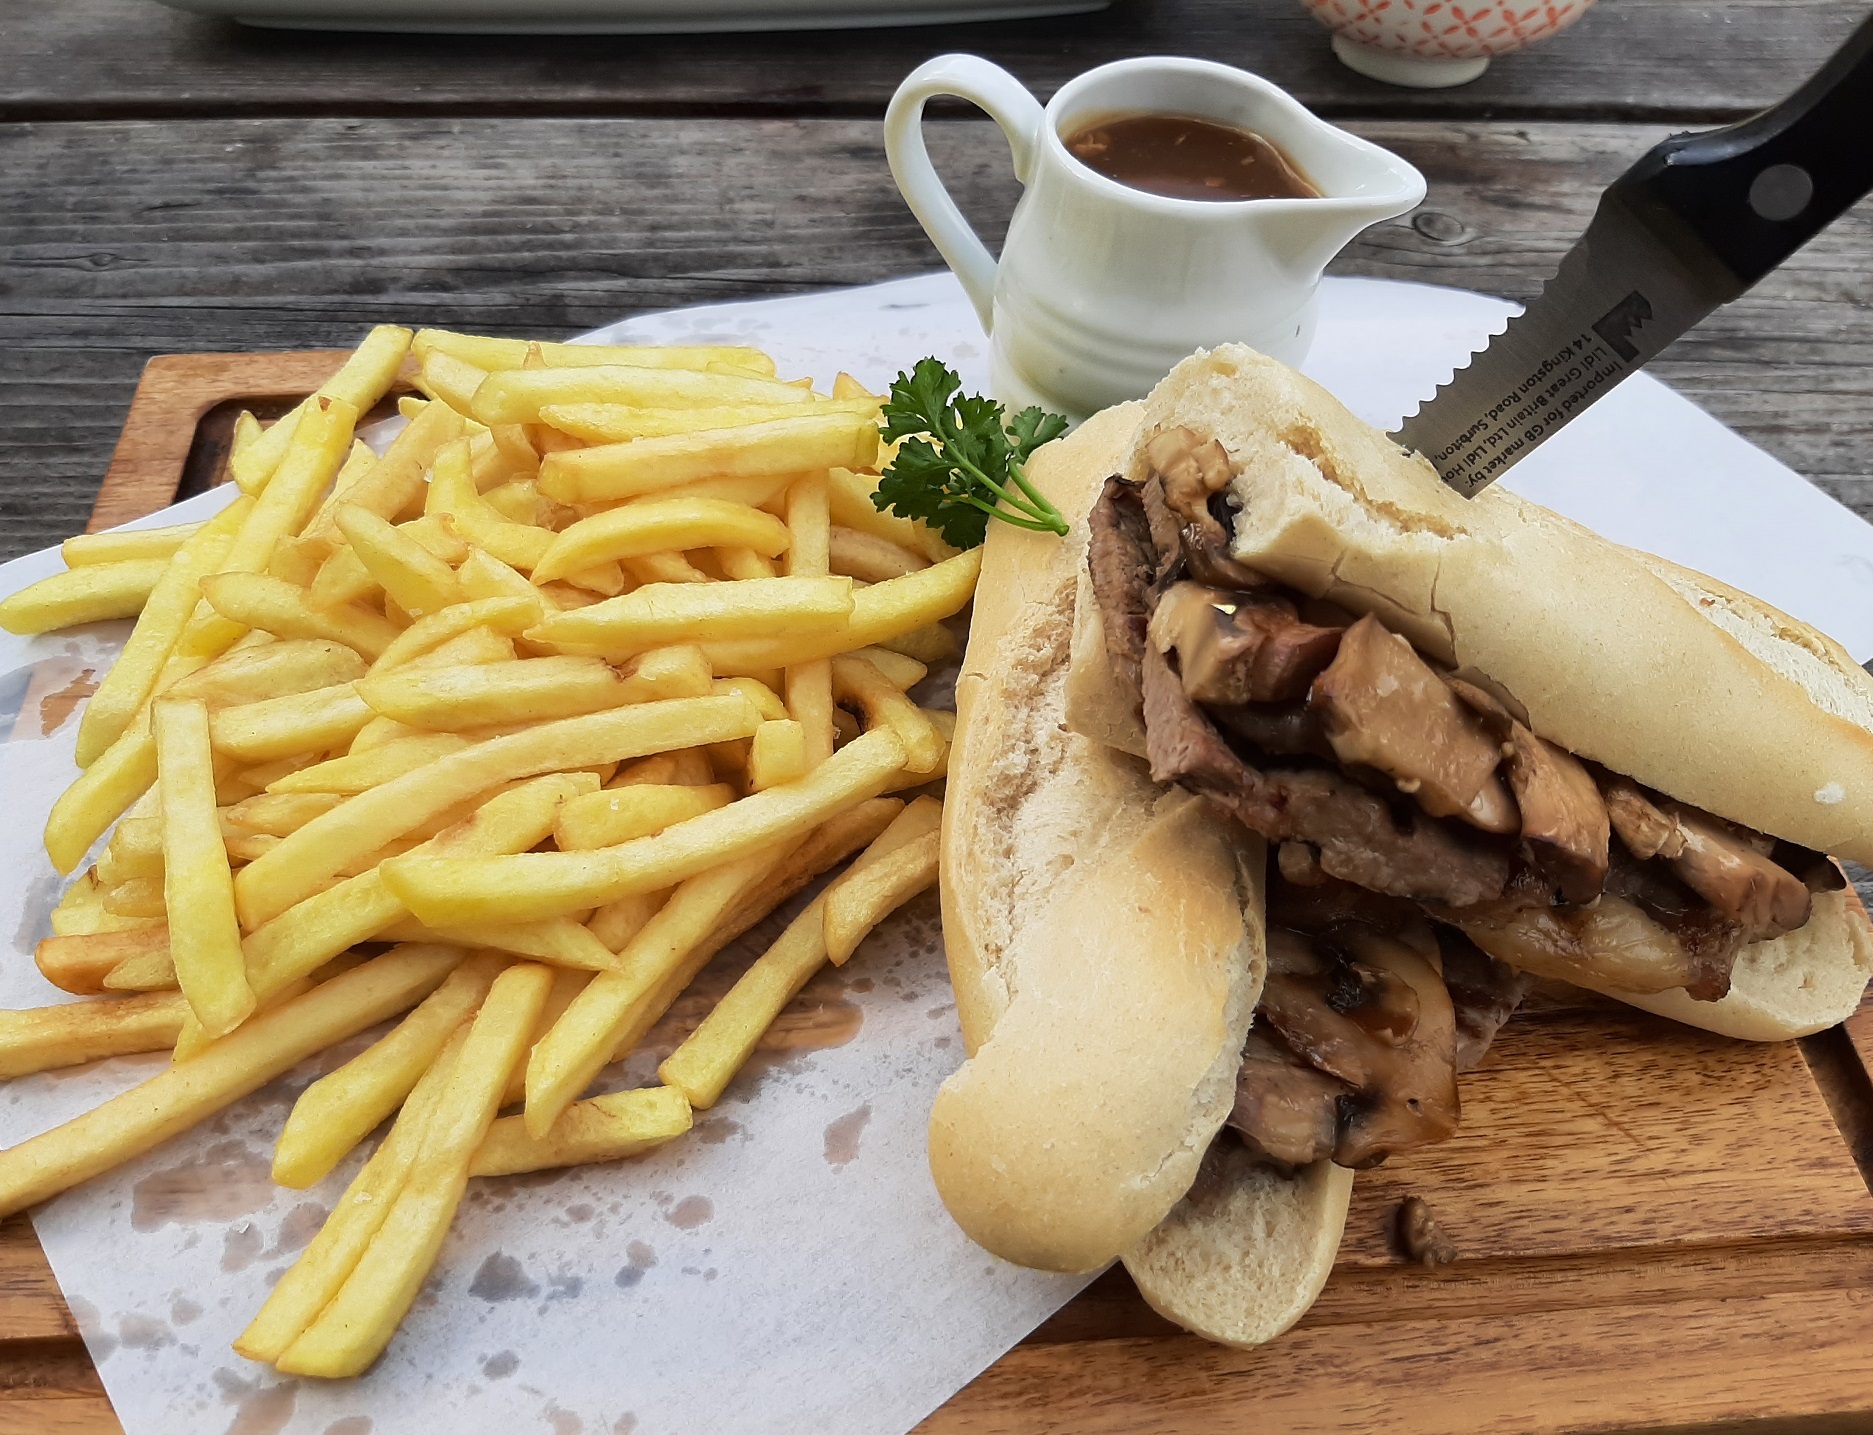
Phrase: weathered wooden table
{"type": "Point", "coordinates": [170, 184]}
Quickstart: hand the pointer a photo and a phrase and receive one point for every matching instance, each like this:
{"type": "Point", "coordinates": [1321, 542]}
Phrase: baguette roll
{"type": "Point", "coordinates": [1104, 934]}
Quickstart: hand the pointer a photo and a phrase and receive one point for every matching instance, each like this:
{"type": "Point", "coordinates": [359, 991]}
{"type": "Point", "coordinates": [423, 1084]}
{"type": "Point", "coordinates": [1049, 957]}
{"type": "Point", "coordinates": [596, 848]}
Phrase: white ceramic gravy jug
{"type": "Point", "coordinates": [1101, 288]}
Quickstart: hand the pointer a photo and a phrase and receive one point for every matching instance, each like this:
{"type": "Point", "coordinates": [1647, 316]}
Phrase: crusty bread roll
{"type": "Point", "coordinates": [1662, 674]}
{"type": "Point", "coordinates": [1104, 934]}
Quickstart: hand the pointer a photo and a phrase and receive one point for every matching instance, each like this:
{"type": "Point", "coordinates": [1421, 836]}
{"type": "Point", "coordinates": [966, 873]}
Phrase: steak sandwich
{"type": "Point", "coordinates": [1279, 779]}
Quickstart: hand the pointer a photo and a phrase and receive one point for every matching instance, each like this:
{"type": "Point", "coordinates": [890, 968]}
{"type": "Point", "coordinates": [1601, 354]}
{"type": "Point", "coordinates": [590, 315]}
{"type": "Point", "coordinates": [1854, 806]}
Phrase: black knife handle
{"type": "Point", "coordinates": [1756, 191]}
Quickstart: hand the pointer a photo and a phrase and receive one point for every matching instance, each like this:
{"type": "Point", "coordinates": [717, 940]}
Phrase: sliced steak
{"type": "Point", "coordinates": [1122, 563]}
{"type": "Point", "coordinates": [1360, 837]}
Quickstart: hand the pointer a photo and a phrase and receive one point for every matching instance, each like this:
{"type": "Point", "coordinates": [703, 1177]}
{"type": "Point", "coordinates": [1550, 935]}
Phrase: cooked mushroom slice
{"type": "Point", "coordinates": [1278, 729]}
{"type": "Point", "coordinates": [1187, 496]}
{"type": "Point", "coordinates": [1237, 647]}
{"type": "Point", "coordinates": [1384, 707]}
{"type": "Point", "coordinates": [1645, 829]}
{"type": "Point", "coordinates": [1565, 829]}
{"type": "Point", "coordinates": [1727, 866]}
{"type": "Point", "coordinates": [1285, 1111]}
{"type": "Point", "coordinates": [1739, 881]}
{"type": "Point", "coordinates": [1374, 1013]}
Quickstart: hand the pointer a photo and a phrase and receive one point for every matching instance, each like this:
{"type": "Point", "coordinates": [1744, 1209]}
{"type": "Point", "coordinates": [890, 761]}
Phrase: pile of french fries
{"type": "Point", "coordinates": [508, 730]}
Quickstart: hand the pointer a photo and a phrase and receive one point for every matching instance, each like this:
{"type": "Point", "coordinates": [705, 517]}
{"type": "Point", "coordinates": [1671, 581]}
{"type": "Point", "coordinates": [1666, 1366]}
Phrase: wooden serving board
{"type": "Point", "coordinates": [1660, 1230]}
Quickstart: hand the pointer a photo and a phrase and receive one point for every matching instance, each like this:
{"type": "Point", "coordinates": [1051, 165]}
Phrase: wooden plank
{"type": "Point", "coordinates": [31, 1306]}
{"type": "Point", "coordinates": [1598, 1132]}
{"type": "Point", "coordinates": [1789, 1357]}
{"type": "Point", "coordinates": [540, 226]}
{"type": "Point", "coordinates": [120, 58]}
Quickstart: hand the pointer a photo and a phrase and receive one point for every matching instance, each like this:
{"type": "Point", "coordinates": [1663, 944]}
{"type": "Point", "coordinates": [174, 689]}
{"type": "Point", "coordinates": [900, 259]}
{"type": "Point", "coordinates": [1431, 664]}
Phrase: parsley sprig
{"type": "Point", "coordinates": [961, 463]}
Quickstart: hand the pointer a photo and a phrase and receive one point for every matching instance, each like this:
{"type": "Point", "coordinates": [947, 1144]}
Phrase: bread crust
{"type": "Point", "coordinates": [1659, 673]}
{"type": "Point", "coordinates": [1102, 1056]}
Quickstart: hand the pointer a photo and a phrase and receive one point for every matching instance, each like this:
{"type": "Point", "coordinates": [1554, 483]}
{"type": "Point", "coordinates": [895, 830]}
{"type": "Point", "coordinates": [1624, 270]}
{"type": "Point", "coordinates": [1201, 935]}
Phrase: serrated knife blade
{"type": "Point", "coordinates": [1619, 298]}
{"type": "Point", "coordinates": [1697, 221]}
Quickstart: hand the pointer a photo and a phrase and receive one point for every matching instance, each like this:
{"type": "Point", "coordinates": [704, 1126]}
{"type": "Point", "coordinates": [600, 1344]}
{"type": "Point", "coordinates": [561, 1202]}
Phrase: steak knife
{"type": "Point", "coordinates": [1696, 222]}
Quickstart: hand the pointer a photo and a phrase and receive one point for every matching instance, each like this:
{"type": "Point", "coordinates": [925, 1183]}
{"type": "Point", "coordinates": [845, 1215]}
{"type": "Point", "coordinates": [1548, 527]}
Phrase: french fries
{"type": "Point", "coordinates": [662, 613]}
{"type": "Point", "coordinates": [198, 890]}
{"type": "Point", "coordinates": [813, 440]}
{"type": "Point", "coordinates": [265, 1046]}
{"type": "Point", "coordinates": [341, 1108]}
{"type": "Point", "coordinates": [711, 1055]}
{"type": "Point", "coordinates": [355, 1327]}
{"type": "Point", "coordinates": [601, 1128]}
{"type": "Point", "coordinates": [600, 662]}
{"type": "Point", "coordinates": [548, 884]}
{"type": "Point", "coordinates": [95, 593]}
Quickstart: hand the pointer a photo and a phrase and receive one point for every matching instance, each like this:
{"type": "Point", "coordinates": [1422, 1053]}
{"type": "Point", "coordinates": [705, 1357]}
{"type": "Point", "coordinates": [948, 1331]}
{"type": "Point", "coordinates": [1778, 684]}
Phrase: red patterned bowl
{"type": "Point", "coordinates": [1428, 44]}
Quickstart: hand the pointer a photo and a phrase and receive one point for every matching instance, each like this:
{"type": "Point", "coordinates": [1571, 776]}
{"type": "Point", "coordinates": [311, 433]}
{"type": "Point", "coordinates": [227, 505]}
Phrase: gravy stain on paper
{"type": "Point", "coordinates": [265, 1411]}
{"type": "Point", "coordinates": [691, 1212]}
{"type": "Point", "coordinates": [500, 1277]}
{"type": "Point", "coordinates": [843, 1136]}
{"type": "Point", "coordinates": [230, 1181]}
{"type": "Point", "coordinates": [350, 1425]}
{"type": "Point", "coordinates": [56, 708]}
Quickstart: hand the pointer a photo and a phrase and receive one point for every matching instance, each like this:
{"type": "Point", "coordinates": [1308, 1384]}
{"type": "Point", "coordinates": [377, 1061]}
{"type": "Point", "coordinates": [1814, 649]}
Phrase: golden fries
{"type": "Point", "coordinates": [356, 702]}
{"type": "Point", "coordinates": [494, 354]}
{"type": "Point", "coordinates": [525, 690]}
{"type": "Point", "coordinates": [711, 1055]}
{"type": "Point", "coordinates": [82, 963]}
{"type": "Point", "coordinates": [226, 1070]}
{"type": "Point", "coordinates": [813, 440]}
{"type": "Point", "coordinates": [310, 1283]}
{"type": "Point", "coordinates": [548, 884]}
{"type": "Point", "coordinates": [124, 544]}
{"type": "Point", "coordinates": [864, 897]}
{"type": "Point", "coordinates": [602, 1128]}
{"type": "Point", "coordinates": [663, 613]}
{"type": "Point", "coordinates": [172, 599]}
{"type": "Point", "coordinates": [516, 396]}
{"type": "Point", "coordinates": [204, 938]}
{"type": "Point", "coordinates": [341, 1108]}
{"type": "Point", "coordinates": [661, 525]}
{"type": "Point", "coordinates": [296, 868]}
{"type": "Point", "coordinates": [91, 594]}
{"type": "Point", "coordinates": [46, 1038]}
{"type": "Point", "coordinates": [879, 613]}
{"type": "Point", "coordinates": [604, 819]}
{"type": "Point", "coordinates": [355, 1327]}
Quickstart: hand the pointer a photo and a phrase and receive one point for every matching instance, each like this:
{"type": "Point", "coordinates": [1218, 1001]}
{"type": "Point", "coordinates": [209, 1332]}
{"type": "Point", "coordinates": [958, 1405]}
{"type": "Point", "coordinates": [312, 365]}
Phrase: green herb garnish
{"type": "Point", "coordinates": [961, 462]}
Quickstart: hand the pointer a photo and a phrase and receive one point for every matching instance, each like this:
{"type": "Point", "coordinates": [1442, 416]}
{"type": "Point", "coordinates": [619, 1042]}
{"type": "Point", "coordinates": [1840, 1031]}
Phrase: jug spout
{"type": "Point", "coordinates": [1305, 238]}
{"type": "Point", "coordinates": [1360, 185]}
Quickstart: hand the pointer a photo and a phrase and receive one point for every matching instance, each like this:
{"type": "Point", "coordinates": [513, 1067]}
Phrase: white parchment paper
{"type": "Point", "coordinates": [787, 1267]}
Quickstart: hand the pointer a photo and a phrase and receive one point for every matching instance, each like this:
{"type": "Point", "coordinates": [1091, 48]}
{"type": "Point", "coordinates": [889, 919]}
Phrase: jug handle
{"type": "Point", "coordinates": [991, 88]}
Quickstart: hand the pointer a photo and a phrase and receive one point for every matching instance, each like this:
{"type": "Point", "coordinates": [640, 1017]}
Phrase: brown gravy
{"type": "Point", "coordinates": [1183, 157]}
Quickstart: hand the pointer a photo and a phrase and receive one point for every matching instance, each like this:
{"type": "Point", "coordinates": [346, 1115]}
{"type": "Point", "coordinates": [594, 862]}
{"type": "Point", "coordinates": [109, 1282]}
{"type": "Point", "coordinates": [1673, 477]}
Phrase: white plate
{"type": "Point", "coordinates": [619, 17]}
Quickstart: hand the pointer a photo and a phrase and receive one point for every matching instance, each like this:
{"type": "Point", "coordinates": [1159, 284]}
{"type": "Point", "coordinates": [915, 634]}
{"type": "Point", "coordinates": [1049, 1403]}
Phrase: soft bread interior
{"type": "Point", "coordinates": [1659, 673]}
{"type": "Point", "coordinates": [1245, 1253]}
{"type": "Point", "coordinates": [1104, 936]}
